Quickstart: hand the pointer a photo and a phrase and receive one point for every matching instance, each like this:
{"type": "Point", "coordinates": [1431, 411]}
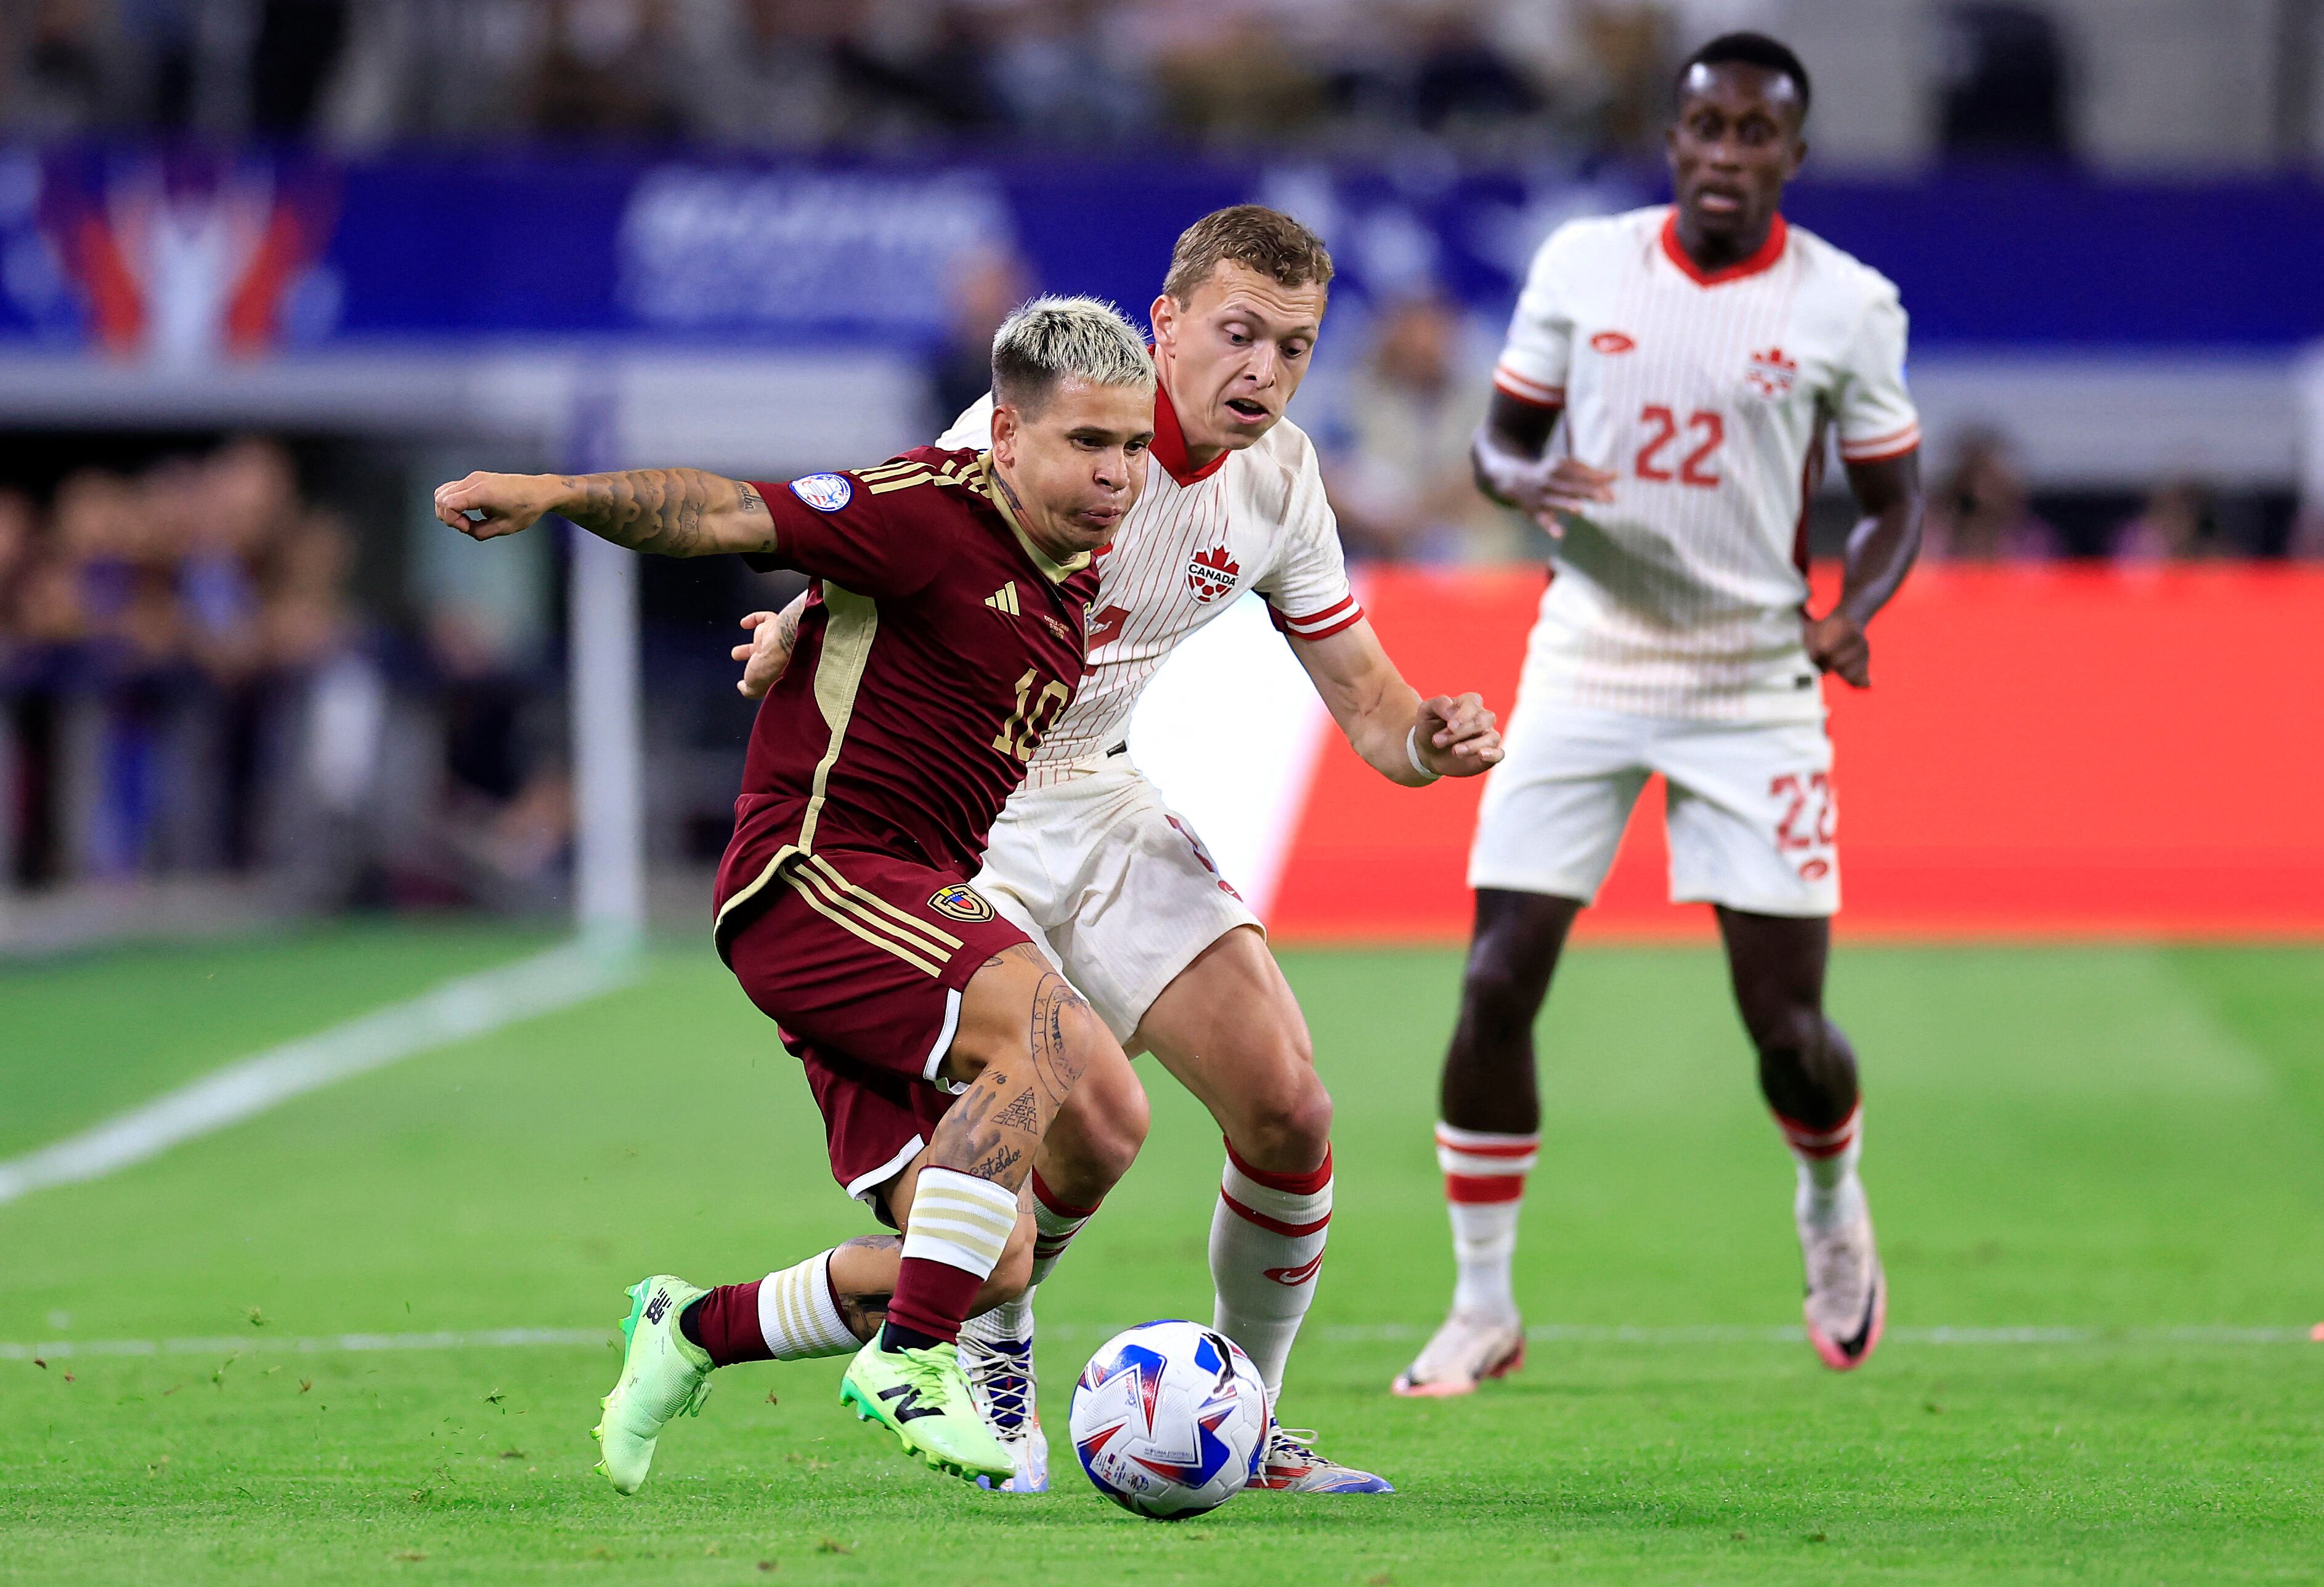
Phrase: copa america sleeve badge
{"type": "Point", "coordinates": [825, 493]}
{"type": "Point", "coordinates": [961, 901]}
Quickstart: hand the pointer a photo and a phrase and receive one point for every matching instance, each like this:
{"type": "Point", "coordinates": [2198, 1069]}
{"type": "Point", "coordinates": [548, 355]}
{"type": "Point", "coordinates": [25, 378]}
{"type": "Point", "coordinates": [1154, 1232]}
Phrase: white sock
{"type": "Point", "coordinates": [798, 1315]}
{"type": "Point", "coordinates": [1484, 1190]}
{"type": "Point", "coordinates": [1828, 1192]}
{"type": "Point", "coordinates": [1267, 1243]}
{"type": "Point", "coordinates": [1055, 1224]}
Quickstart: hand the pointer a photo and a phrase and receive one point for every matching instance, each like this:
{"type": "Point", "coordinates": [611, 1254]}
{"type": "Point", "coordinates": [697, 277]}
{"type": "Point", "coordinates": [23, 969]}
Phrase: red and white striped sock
{"type": "Point", "coordinates": [1267, 1244]}
{"type": "Point", "coordinates": [1055, 1222]}
{"type": "Point", "coordinates": [1484, 1190]}
{"type": "Point", "coordinates": [1828, 1192]}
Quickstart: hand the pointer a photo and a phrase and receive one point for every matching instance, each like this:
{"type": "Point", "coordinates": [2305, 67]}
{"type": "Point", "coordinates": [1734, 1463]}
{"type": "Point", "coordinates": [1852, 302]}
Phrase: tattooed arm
{"type": "Point", "coordinates": [666, 512]}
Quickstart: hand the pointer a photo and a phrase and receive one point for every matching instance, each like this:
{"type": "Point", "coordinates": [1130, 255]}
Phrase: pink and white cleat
{"type": "Point", "coordinates": [1465, 1352]}
{"type": "Point", "coordinates": [1846, 1302]}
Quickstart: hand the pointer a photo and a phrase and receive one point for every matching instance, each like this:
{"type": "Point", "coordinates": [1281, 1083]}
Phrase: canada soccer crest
{"type": "Point", "coordinates": [1771, 374]}
{"type": "Point", "coordinates": [1212, 573]}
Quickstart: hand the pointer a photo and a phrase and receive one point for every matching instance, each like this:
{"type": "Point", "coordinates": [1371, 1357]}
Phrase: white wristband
{"type": "Point", "coordinates": [1412, 749]}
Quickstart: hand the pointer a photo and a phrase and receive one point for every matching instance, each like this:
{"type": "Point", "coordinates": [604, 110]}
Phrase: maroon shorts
{"type": "Point", "coordinates": [860, 959]}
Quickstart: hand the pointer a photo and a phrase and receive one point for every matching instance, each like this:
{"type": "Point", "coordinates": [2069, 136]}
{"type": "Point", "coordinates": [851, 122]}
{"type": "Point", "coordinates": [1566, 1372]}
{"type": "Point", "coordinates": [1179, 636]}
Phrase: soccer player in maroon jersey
{"type": "Point", "coordinates": [946, 636]}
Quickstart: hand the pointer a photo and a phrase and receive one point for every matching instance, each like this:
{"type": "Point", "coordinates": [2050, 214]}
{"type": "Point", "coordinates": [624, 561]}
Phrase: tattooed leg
{"type": "Point", "coordinates": [1026, 1037]}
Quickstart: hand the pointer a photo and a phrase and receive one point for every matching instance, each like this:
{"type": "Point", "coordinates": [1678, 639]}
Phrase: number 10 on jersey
{"type": "Point", "coordinates": [1035, 715]}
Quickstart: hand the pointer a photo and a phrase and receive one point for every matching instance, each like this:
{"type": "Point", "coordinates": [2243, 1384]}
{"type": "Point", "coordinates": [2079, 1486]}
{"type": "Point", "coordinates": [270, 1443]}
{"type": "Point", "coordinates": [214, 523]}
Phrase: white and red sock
{"type": "Point", "coordinates": [953, 1240]}
{"type": "Point", "coordinates": [1055, 1222]}
{"type": "Point", "coordinates": [1484, 1190]}
{"type": "Point", "coordinates": [1828, 1192]}
{"type": "Point", "coordinates": [1267, 1244]}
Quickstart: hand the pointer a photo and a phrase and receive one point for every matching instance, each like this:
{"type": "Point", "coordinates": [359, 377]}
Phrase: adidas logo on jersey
{"type": "Point", "coordinates": [1004, 600]}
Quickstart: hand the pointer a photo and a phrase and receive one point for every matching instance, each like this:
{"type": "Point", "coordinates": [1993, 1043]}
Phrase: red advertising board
{"type": "Point", "coordinates": [2058, 752]}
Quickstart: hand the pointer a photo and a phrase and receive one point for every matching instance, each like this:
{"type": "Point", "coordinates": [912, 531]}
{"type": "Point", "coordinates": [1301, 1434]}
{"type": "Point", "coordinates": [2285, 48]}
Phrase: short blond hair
{"type": "Point", "coordinates": [1260, 239]}
{"type": "Point", "coordinates": [1053, 338]}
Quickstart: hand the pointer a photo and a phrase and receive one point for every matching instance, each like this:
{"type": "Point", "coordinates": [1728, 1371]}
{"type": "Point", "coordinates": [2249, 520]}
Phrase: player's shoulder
{"type": "Point", "coordinates": [935, 479]}
{"type": "Point", "coordinates": [1601, 239]}
{"type": "Point", "coordinates": [1270, 469]}
{"type": "Point", "coordinates": [973, 429]}
{"type": "Point", "coordinates": [1826, 266]}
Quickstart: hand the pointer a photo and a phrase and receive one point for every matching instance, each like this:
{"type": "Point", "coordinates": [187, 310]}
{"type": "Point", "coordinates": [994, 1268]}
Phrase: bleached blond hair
{"type": "Point", "coordinates": [1054, 338]}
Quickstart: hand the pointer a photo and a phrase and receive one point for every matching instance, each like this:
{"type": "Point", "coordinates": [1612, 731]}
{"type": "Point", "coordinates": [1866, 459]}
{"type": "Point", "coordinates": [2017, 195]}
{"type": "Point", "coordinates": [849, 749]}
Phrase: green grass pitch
{"type": "Point", "coordinates": [2123, 1140]}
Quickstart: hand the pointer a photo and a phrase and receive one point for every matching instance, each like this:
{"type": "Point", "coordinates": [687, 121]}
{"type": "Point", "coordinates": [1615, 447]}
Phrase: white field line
{"type": "Point", "coordinates": [328, 1344]}
{"type": "Point", "coordinates": [595, 1338]}
{"type": "Point", "coordinates": [472, 1006]}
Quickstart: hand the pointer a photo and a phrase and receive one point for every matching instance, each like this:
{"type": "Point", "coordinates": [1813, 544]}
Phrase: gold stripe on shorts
{"type": "Point", "coordinates": [848, 918]}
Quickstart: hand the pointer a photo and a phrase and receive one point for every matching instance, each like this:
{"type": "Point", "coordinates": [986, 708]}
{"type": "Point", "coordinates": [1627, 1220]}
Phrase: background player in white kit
{"type": "Point", "coordinates": [1091, 863]}
{"type": "Point", "coordinates": [1698, 354]}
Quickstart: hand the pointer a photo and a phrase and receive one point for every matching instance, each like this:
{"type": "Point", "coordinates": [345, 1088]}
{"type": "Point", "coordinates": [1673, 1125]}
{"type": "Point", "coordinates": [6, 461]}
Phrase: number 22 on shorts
{"type": "Point", "coordinates": [1795, 833]}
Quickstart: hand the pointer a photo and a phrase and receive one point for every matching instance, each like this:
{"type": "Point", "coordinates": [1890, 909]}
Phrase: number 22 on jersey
{"type": "Point", "coordinates": [1703, 427]}
{"type": "Point", "coordinates": [1035, 715]}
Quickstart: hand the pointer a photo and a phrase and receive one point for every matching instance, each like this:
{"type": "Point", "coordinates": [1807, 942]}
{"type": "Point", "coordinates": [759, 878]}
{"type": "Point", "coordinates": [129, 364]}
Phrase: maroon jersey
{"type": "Point", "coordinates": [938, 645]}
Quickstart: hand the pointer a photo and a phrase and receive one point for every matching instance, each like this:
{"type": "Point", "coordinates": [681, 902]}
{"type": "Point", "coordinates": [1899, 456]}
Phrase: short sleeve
{"type": "Point", "coordinates": [1540, 346]}
{"type": "Point", "coordinates": [1873, 409]}
{"type": "Point", "coordinates": [972, 430]}
{"type": "Point", "coordinates": [845, 527]}
{"type": "Point", "coordinates": [1306, 591]}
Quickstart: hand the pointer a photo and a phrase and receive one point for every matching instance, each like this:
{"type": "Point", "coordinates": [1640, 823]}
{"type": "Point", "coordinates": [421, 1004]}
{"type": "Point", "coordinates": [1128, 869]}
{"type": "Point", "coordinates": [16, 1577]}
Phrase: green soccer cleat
{"type": "Point", "coordinates": [922, 1397]}
{"type": "Point", "coordinates": [664, 1375]}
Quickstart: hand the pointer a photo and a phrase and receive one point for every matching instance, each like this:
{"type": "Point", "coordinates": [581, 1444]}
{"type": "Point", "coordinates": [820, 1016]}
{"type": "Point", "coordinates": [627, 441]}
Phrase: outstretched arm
{"type": "Point", "coordinates": [667, 512]}
{"type": "Point", "coordinates": [1880, 552]}
{"type": "Point", "coordinates": [1385, 720]}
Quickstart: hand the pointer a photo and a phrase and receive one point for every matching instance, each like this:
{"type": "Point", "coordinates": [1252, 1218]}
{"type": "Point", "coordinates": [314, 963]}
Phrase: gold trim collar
{"type": "Point", "coordinates": [1055, 571]}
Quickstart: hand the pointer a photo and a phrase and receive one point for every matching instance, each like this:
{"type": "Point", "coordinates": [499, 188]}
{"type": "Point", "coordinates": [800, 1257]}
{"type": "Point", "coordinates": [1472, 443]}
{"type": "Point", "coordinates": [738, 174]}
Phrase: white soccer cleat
{"type": "Point", "coordinates": [1002, 1385]}
{"type": "Point", "coordinates": [1846, 1302]}
{"type": "Point", "coordinates": [1465, 1352]}
{"type": "Point", "coordinates": [1291, 1465]}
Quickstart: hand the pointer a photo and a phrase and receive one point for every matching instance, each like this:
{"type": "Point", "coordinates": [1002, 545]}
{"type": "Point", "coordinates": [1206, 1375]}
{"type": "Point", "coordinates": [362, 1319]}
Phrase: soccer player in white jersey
{"type": "Point", "coordinates": [1697, 354]}
{"type": "Point", "coordinates": [1090, 861]}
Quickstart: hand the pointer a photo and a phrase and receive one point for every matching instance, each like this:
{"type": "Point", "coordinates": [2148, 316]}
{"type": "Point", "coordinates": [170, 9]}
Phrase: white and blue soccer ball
{"type": "Point", "coordinates": [1170, 1419]}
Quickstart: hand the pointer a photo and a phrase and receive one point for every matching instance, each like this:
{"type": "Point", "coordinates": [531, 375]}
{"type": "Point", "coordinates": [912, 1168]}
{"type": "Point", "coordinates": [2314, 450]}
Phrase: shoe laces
{"type": "Point", "coordinates": [1836, 1262]}
{"type": "Point", "coordinates": [934, 1372]}
{"type": "Point", "coordinates": [1297, 1442]}
{"type": "Point", "coordinates": [999, 1373]}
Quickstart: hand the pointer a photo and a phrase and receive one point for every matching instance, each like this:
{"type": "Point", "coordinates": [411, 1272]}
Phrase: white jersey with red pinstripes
{"type": "Point", "coordinates": [1253, 519]}
{"type": "Point", "coordinates": [1709, 396]}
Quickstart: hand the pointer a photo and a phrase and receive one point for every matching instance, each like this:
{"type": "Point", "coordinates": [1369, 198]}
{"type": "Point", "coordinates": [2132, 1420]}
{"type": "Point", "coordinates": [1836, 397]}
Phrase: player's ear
{"type": "Point", "coordinates": [1006, 425]}
{"type": "Point", "coordinates": [1163, 317]}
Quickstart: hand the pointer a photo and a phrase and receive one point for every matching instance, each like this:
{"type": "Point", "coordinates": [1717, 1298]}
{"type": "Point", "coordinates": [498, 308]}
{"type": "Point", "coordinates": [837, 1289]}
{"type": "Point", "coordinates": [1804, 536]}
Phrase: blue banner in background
{"type": "Point", "coordinates": [181, 257]}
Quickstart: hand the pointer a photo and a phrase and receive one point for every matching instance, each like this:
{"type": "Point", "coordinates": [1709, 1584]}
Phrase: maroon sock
{"type": "Point", "coordinates": [931, 1297]}
{"type": "Point", "coordinates": [726, 1323]}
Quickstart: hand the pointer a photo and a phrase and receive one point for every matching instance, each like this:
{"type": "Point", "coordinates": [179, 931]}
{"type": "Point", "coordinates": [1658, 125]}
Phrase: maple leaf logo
{"type": "Point", "coordinates": [1212, 573]}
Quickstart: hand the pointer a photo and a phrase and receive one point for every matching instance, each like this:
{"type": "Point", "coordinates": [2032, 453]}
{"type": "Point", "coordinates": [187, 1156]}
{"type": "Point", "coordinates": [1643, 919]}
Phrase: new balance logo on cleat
{"type": "Point", "coordinates": [908, 1406]}
{"type": "Point", "coordinates": [659, 1306]}
{"type": "Point", "coordinates": [1004, 600]}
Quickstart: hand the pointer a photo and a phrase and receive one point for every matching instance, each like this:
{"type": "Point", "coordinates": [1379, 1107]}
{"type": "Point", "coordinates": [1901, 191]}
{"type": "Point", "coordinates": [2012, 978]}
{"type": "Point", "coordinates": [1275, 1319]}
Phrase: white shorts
{"type": "Point", "coordinates": [1751, 813]}
{"type": "Point", "coordinates": [1113, 885]}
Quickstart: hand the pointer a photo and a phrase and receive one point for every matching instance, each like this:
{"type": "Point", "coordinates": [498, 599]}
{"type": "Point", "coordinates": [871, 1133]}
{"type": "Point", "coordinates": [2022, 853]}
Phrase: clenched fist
{"type": "Point", "coordinates": [485, 507]}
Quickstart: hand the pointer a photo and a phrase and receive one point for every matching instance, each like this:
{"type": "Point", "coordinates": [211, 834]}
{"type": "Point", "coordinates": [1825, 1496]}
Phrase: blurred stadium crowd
{"type": "Point", "coordinates": [203, 672]}
{"type": "Point", "coordinates": [806, 74]}
{"type": "Point", "coordinates": [190, 685]}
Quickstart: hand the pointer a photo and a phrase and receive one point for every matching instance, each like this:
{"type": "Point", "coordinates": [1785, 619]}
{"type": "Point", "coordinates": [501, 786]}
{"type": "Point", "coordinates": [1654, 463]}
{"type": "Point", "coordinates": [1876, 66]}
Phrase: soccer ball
{"type": "Point", "coordinates": [1170, 1419]}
